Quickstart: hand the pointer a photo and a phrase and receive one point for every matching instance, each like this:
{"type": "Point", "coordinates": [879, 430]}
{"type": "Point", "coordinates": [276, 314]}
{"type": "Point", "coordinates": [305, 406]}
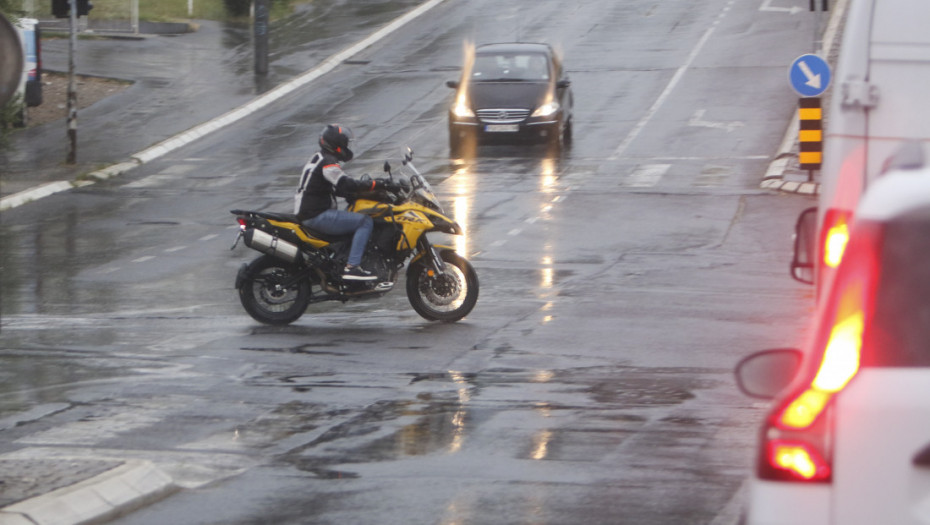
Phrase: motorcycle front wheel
{"type": "Point", "coordinates": [268, 294]}
{"type": "Point", "coordinates": [447, 297]}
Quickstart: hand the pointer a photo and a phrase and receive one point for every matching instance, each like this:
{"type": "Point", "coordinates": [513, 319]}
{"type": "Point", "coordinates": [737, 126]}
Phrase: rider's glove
{"type": "Point", "coordinates": [385, 185]}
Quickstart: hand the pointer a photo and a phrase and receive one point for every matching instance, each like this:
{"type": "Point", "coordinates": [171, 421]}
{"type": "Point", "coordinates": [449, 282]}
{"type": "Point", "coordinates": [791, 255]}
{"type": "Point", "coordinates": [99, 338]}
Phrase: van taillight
{"type": "Point", "coordinates": [801, 459]}
{"type": "Point", "coordinates": [797, 433]}
{"type": "Point", "coordinates": [834, 237]}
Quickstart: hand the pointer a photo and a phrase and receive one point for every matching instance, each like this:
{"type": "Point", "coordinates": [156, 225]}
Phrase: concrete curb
{"type": "Point", "coordinates": [186, 137]}
{"type": "Point", "coordinates": [774, 178]}
{"type": "Point", "coordinates": [131, 485]}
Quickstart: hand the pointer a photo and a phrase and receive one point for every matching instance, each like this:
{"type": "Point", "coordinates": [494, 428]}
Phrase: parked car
{"type": "Point", "coordinates": [511, 91]}
{"type": "Point", "coordinates": [11, 62]}
{"type": "Point", "coordinates": [30, 87]}
{"type": "Point", "coordinates": [847, 440]}
{"type": "Point", "coordinates": [879, 90]}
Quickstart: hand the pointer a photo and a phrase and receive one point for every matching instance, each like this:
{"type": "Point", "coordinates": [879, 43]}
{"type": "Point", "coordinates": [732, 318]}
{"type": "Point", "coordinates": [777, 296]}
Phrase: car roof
{"type": "Point", "coordinates": [895, 193]}
{"type": "Point", "coordinates": [514, 47]}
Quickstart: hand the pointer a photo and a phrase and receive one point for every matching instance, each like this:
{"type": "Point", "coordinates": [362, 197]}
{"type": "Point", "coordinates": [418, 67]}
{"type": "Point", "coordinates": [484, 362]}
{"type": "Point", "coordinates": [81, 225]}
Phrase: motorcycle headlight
{"type": "Point", "coordinates": [547, 110]}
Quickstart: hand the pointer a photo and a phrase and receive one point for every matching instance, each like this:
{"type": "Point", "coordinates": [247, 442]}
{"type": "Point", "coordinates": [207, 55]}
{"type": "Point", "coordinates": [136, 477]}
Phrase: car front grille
{"type": "Point", "coordinates": [502, 116]}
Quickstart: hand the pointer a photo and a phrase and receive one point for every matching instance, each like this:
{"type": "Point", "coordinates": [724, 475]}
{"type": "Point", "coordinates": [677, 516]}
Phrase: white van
{"type": "Point", "coordinates": [879, 101]}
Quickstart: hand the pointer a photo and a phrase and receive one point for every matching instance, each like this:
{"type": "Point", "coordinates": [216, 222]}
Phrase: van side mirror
{"type": "Point", "coordinates": [805, 247]}
{"type": "Point", "coordinates": [765, 374]}
{"type": "Point", "coordinates": [562, 84]}
{"type": "Point", "coordinates": [454, 84]}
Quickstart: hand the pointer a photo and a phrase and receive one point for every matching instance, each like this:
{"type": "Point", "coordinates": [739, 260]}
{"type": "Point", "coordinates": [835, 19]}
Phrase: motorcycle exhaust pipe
{"type": "Point", "coordinates": [271, 245]}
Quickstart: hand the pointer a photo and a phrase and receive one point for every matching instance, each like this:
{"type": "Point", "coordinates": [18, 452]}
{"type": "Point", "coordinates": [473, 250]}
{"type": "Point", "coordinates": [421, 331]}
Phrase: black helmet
{"type": "Point", "coordinates": [335, 139]}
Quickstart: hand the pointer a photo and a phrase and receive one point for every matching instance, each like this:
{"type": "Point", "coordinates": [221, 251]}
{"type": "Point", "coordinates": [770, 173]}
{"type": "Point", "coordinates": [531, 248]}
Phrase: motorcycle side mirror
{"type": "Point", "coordinates": [387, 169]}
{"type": "Point", "coordinates": [408, 156]}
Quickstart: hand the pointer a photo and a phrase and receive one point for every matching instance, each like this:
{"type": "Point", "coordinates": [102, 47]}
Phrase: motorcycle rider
{"type": "Point", "coordinates": [315, 202]}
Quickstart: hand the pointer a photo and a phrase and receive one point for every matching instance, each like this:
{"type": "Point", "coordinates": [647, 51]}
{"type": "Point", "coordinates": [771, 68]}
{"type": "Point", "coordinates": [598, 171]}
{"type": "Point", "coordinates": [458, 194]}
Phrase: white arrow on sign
{"type": "Point", "coordinates": [812, 79]}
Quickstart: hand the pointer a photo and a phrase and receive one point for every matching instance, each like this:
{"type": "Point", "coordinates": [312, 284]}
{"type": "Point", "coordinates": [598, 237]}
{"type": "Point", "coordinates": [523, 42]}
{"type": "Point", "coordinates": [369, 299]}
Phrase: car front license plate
{"type": "Point", "coordinates": [502, 128]}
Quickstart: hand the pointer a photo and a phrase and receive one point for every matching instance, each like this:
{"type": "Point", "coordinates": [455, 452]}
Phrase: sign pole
{"type": "Point", "coordinates": [72, 93]}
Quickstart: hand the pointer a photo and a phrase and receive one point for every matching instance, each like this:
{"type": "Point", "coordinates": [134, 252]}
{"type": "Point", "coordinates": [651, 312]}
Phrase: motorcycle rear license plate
{"type": "Point", "coordinates": [502, 128]}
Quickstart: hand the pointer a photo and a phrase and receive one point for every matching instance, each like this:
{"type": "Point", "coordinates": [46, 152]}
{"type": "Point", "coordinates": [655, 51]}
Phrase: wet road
{"type": "Point", "coordinates": [620, 282]}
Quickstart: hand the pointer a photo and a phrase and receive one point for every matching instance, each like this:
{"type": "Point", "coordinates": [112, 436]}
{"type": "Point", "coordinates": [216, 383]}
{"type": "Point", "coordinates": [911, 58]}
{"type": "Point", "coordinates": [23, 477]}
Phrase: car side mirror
{"type": "Point", "coordinates": [805, 247]}
{"type": "Point", "coordinates": [764, 374]}
{"type": "Point", "coordinates": [562, 84]}
{"type": "Point", "coordinates": [454, 84]}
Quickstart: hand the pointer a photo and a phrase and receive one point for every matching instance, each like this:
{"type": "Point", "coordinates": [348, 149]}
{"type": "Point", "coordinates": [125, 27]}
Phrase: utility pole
{"type": "Point", "coordinates": [72, 93]}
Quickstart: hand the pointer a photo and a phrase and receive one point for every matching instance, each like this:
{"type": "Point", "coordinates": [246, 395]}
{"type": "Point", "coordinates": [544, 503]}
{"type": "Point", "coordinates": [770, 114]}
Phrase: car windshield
{"type": "Point", "coordinates": [510, 67]}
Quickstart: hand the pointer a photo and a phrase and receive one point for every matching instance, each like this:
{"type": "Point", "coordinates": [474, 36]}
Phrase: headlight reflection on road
{"type": "Point", "coordinates": [458, 418]}
{"type": "Point", "coordinates": [547, 178]}
{"type": "Point", "coordinates": [461, 206]}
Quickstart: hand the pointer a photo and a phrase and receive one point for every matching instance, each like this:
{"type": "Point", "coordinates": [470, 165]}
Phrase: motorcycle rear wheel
{"type": "Point", "coordinates": [264, 295]}
{"type": "Point", "coordinates": [448, 297]}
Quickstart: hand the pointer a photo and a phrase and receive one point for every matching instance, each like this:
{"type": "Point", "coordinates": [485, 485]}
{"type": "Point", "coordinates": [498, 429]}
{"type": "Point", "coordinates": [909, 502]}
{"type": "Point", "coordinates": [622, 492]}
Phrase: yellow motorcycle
{"type": "Point", "coordinates": [300, 266]}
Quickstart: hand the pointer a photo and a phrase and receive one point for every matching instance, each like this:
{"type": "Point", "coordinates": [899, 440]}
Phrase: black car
{"type": "Point", "coordinates": [511, 91]}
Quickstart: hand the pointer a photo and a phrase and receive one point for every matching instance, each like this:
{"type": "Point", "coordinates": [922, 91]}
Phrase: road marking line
{"type": "Point", "coordinates": [647, 175]}
{"type": "Point", "coordinates": [676, 78]}
{"type": "Point", "coordinates": [143, 259]}
{"type": "Point", "coordinates": [175, 249]}
{"type": "Point", "coordinates": [281, 91]}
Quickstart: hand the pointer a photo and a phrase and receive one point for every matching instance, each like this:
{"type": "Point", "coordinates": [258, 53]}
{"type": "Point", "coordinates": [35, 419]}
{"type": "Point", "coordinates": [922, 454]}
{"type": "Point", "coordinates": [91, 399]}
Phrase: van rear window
{"type": "Point", "coordinates": [899, 335]}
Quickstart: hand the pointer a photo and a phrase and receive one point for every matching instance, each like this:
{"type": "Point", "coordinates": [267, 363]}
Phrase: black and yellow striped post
{"type": "Point", "coordinates": [810, 135]}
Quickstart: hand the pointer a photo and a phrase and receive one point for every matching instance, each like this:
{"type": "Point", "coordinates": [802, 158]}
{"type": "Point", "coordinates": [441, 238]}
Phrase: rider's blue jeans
{"type": "Point", "coordinates": [342, 222]}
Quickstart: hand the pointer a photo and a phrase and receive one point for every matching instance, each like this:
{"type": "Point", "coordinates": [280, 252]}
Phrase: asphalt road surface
{"type": "Point", "coordinates": [620, 283]}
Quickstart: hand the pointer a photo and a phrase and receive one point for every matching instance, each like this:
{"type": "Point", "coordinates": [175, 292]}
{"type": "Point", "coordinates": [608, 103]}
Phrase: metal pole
{"type": "Point", "coordinates": [261, 37]}
{"type": "Point", "coordinates": [72, 94]}
{"type": "Point", "coordinates": [134, 8]}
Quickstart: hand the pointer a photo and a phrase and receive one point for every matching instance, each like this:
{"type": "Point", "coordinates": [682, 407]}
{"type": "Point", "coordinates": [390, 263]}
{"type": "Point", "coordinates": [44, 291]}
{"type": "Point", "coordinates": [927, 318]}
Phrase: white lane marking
{"type": "Point", "coordinates": [281, 91]}
{"type": "Point", "coordinates": [143, 259]}
{"type": "Point", "coordinates": [697, 120]}
{"type": "Point", "coordinates": [767, 6]}
{"type": "Point", "coordinates": [175, 249]}
{"type": "Point", "coordinates": [676, 78]}
{"type": "Point", "coordinates": [646, 175]}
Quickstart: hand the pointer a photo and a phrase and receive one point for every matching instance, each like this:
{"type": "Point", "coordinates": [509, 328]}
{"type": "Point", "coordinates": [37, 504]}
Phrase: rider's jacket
{"type": "Point", "coordinates": [321, 182]}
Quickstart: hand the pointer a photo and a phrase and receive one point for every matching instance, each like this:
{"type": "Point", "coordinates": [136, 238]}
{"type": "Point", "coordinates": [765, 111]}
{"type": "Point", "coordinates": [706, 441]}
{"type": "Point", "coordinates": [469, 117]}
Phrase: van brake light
{"type": "Point", "coordinates": [836, 236]}
{"type": "Point", "coordinates": [797, 437]}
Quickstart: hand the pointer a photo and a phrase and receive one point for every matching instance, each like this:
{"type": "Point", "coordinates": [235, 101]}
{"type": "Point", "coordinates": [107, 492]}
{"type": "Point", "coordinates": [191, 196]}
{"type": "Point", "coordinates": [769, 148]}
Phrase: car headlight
{"type": "Point", "coordinates": [546, 110]}
{"type": "Point", "coordinates": [461, 110]}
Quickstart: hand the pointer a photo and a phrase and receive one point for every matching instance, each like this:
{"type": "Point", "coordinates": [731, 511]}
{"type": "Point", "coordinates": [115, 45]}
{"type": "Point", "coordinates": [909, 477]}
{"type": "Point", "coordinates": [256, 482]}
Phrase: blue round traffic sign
{"type": "Point", "coordinates": [809, 75]}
